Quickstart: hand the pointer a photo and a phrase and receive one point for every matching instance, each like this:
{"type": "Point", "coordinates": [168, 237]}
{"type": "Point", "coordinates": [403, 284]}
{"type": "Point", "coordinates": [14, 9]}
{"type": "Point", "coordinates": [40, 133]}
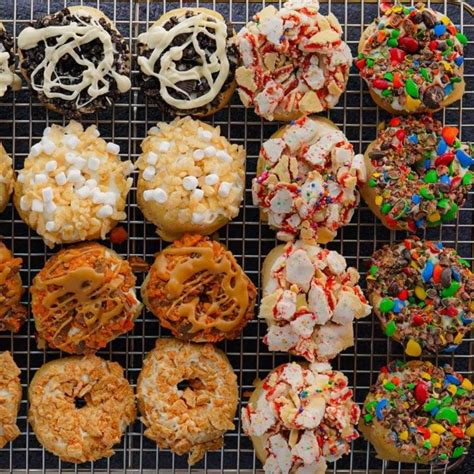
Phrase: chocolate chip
{"type": "Point", "coordinates": [446, 277]}
{"type": "Point", "coordinates": [433, 96]}
{"type": "Point", "coordinates": [428, 19]}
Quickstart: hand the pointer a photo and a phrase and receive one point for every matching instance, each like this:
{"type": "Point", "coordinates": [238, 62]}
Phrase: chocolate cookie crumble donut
{"type": "Point", "coordinates": [418, 173]}
{"type": "Point", "coordinates": [412, 59]}
{"type": "Point", "coordinates": [75, 60]}
{"type": "Point", "coordinates": [187, 61]}
{"type": "Point", "coordinates": [8, 78]}
{"type": "Point", "coordinates": [422, 292]}
{"type": "Point", "coordinates": [417, 412]}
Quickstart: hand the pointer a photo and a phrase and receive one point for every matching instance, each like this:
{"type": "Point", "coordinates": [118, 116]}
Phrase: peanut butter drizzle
{"type": "Point", "coordinates": [184, 278]}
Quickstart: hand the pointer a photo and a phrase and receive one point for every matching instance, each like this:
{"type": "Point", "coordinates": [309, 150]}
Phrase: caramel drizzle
{"type": "Point", "coordinates": [190, 274]}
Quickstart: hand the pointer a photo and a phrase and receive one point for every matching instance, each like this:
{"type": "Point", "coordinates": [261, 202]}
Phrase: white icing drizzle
{"type": "Point", "coordinates": [68, 39]}
{"type": "Point", "coordinates": [7, 77]}
{"type": "Point", "coordinates": [159, 39]}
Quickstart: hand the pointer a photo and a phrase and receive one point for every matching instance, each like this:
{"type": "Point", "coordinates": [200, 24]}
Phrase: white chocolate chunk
{"type": "Point", "coordinates": [299, 269]}
{"type": "Point", "coordinates": [318, 304]}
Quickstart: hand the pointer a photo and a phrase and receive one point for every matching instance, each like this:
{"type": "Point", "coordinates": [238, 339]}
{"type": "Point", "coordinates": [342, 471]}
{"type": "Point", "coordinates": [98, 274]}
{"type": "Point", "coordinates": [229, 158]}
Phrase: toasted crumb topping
{"type": "Point", "coordinates": [6, 177]}
{"type": "Point", "coordinates": [10, 396]}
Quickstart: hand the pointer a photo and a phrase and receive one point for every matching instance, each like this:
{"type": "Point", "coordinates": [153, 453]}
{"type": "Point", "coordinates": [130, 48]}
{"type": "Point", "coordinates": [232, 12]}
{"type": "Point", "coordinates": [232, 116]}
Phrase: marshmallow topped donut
{"type": "Point", "coordinates": [198, 290]}
{"type": "Point", "coordinates": [422, 292]}
{"type": "Point", "coordinates": [6, 178]}
{"type": "Point", "coordinates": [10, 398]}
{"type": "Point", "coordinates": [310, 300]}
{"type": "Point", "coordinates": [307, 175]}
{"type": "Point", "coordinates": [192, 420]}
{"type": "Point", "coordinates": [418, 173]}
{"type": "Point", "coordinates": [83, 298]}
{"type": "Point", "coordinates": [412, 59]}
{"type": "Point", "coordinates": [417, 412]}
{"type": "Point", "coordinates": [300, 417]}
{"type": "Point", "coordinates": [75, 60]}
{"type": "Point", "coordinates": [191, 179]}
{"type": "Point", "coordinates": [294, 61]}
{"type": "Point", "coordinates": [8, 78]}
{"type": "Point", "coordinates": [187, 61]}
{"type": "Point", "coordinates": [73, 186]}
{"type": "Point", "coordinates": [86, 433]}
{"type": "Point", "coordinates": [12, 313]}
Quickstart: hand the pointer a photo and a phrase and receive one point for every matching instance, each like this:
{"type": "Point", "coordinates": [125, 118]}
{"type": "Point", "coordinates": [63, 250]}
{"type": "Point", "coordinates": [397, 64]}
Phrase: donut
{"type": "Point", "coordinates": [418, 173]}
{"type": "Point", "coordinates": [307, 175]}
{"type": "Point", "coordinates": [187, 61]}
{"type": "Point", "coordinates": [294, 61]}
{"type": "Point", "coordinates": [412, 59]}
{"type": "Point", "coordinates": [198, 291]}
{"type": "Point", "coordinates": [12, 313]}
{"type": "Point", "coordinates": [193, 419]}
{"type": "Point", "coordinates": [191, 179]}
{"type": "Point", "coordinates": [309, 301]}
{"type": "Point", "coordinates": [73, 186]}
{"type": "Point", "coordinates": [75, 61]}
{"type": "Point", "coordinates": [10, 390]}
{"type": "Point", "coordinates": [77, 433]}
{"type": "Point", "coordinates": [83, 298]}
{"type": "Point", "coordinates": [300, 417]}
{"type": "Point", "coordinates": [6, 177]}
{"type": "Point", "coordinates": [417, 412]}
{"type": "Point", "coordinates": [8, 78]}
{"type": "Point", "coordinates": [422, 292]}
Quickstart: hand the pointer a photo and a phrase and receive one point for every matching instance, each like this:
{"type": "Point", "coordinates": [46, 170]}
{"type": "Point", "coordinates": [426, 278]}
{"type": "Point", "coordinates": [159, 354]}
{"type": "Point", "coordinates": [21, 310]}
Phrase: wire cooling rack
{"type": "Point", "coordinates": [22, 120]}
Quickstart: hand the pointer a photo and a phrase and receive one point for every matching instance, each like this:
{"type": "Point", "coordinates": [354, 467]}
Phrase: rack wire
{"type": "Point", "coordinates": [22, 120]}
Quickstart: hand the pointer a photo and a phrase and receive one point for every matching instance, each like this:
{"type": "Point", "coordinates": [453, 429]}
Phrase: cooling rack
{"type": "Point", "coordinates": [22, 120]}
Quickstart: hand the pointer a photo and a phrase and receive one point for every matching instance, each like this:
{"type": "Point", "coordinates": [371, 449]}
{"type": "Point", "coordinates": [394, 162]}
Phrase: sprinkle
{"type": "Point", "coordinates": [380, 406]}
{"type": "Point", "coordinates": [113, 148]}
{"type": "Point", "coordinates": [390, 328]}
{"type": "Point", "coordinates": [413, 349]}
{"type": "Point", "coordinates": [447, 413]}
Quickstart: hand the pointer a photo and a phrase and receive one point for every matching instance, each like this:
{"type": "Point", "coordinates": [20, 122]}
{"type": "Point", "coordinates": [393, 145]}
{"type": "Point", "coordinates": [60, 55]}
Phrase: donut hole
{"type": "Point", "coordinates": [192, 384]}
{"type": "Point", "coordinates": [80, 402]}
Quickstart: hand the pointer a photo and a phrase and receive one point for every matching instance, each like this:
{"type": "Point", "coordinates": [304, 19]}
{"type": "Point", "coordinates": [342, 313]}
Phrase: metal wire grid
{"type": "Point", "coordinates": [22, 120]}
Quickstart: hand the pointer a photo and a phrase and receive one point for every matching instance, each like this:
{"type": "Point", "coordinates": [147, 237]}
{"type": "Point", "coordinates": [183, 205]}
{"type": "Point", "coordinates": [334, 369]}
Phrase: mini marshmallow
{"type": "Point", "coordinates": [160, 195]}
{"type": "Point", "coordinates": [210, 151]}
{"type": "Point", "coordinates": [198, 155]}
{"type": "Point", "coordinates": [153, 130]}
{"type": "Point", "coordinates": [91, 183]}
{"type": "Point", "coordinates": [95, 132]}
{"type": "Point", "coordinates": [224, 156]}
{"type": "Point", "coordinates": [46, 131]}
{"type": "Point", "coordinates": [61, 179]}
{"type": "Point", "coordinates": [198, 217]}
{"type": "Point", "coordinates": [50, 207]}
{"type": "Point", "coordinates": [37, 206]}
{"type": "Point", "coordinates": [205, 135]}
{"type": "Point", "coordinates": [71, 141]}
{"type": "Point", "coordinates": [24, 204]}
{"type": "Point", "coordinates": [73, 175]}
{"type": "Point", "coordinates": [197, 194]}
{"type": "Point", "coordinates": [93, 163]}
{"type": "Point", "coordinates": [151, 158]}
{"type": "Point", "coordinates": [21, 178]}
{"type": "Point", "coordinates": [164, 146]}
{"type": "Point", "coordinates": [48, 146]}
{"type": "Point", "coordinates": [47, 194]}
{"type": "Point", "coordinates": [211, 179]}
{"type": "Point", "coordinates": [104, 212]}
{"type": "Point", "coordinates": [224, 189]}
{"type": "Point", "coordinates": [51, 226]}
{"type": "Point", "coordinates": [190, 183]}
{"type": "Point", "coordinates": [113, 148]}
{"type": "Point", "coordinates": [84, 192]}
{"type": "Point", "coordinates": [36, 149]}
{"type": "Point", "coordinates": [149, 173]}
{"type": "Point", "coordinates": [41, 178]}
{"type": "Point", "coordinates": [50, 166]}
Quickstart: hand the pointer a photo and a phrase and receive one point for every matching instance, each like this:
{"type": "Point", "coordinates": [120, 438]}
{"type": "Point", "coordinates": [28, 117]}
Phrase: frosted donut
{"type": "Point", "coordinates": [6, 177]}
{"type": "Point", "coordinates": [75, 60]}
{"type": "Point", "coordinates": [412, 59]}
{"type": "Point", "coordinates": [73, 186]}
{"type": "Point", "coordinates": [418, 173]}
{"type": "Point", "coordinates": [83, 298]}
{"type": "Point", "coordinates": [294, 61]}
{"type": "Point", "coordinates": [12, 313]}
{"type": "Point", "coordinates": [8, 78]}
{"type": "Point", "coordinates": [422, 292]}
{"type": "Point", "coordinates": [187, 61]}
{"type": "Point", "coordinates": [80, 434]}
{"type": "Point", "coordinates": [191, 179]}
{"type": "Point", "coordinates": [198, 291]}
{"type": "Point", "coordinates": [191, 420]}
{"type": "Point", "coordinates": [300, 417]}
{"type": "Point", "coordinates": [310, 300]}
{"type": "Point", "coordinates": [306, 180]}
{"type": "Point", "coordinates": [10, 398]}
{"type": "Point", "coordinates": [417, 412]}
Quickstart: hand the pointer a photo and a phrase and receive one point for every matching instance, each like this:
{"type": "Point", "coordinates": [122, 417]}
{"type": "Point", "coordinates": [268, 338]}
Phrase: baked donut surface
{"type": "Point", "coordinates": [300, 417]}
{"type": "Point", "coordinates": [417, 412]}
{"type": "Point", "coordinates": [73, 186]}
{"type": "Point", "coordinates": [309, 301]}
{"type": "Point", "coordinates": [6, 178]}
{"type": "Point", "coordinates": [192, 420]}
{"type": "Point", "coordinates": [75, 60]}
{"type": "Point", "coordinates": [10, 398]}
{"type": "Point", "coordinates": [422, 293]}
{"type": "Point", "coordinates": [294, 61]}
{"type": "Point", "coordinates": [198, 291]}
{"type": "Point", "coordinates": [418, 173]}
{"type": "Point", "coordinates": [191, 179]}
{"type": "Point", "coordinates": [187, 61]}
{"type": "Point", "coordinates": [83, 298]}
{"type": "Point", "coordinates": [412, 59]}
{"type": "Point", "coordinates": [12, 313]}
{"type": "Point", "coordinates": [307, 178]}
{"type": "Point", "coordinates": [74, 433]}
{"type": "Point", "coordinates": [8, 78]}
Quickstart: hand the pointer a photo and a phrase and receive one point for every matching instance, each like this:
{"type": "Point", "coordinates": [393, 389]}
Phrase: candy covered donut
{"type": "Point", "coordinates": [422, 293]}
{"type": "Point", "coordinates": [307, 178]}
{"type": "Point", "coordinates": [412, 59]}
{"type": "Point", "coordinates": [419, 413]}
{"type": "Point", "coordinates": [300, 417]}
{"type": "Point", "coordinates": [85, 433]}
{"type": "Point", "coordinates": [193, 419]}
{"type": "Point", "coordinates": [294, 61]}
{"type": "Point", "coordinates": [417, 173]}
